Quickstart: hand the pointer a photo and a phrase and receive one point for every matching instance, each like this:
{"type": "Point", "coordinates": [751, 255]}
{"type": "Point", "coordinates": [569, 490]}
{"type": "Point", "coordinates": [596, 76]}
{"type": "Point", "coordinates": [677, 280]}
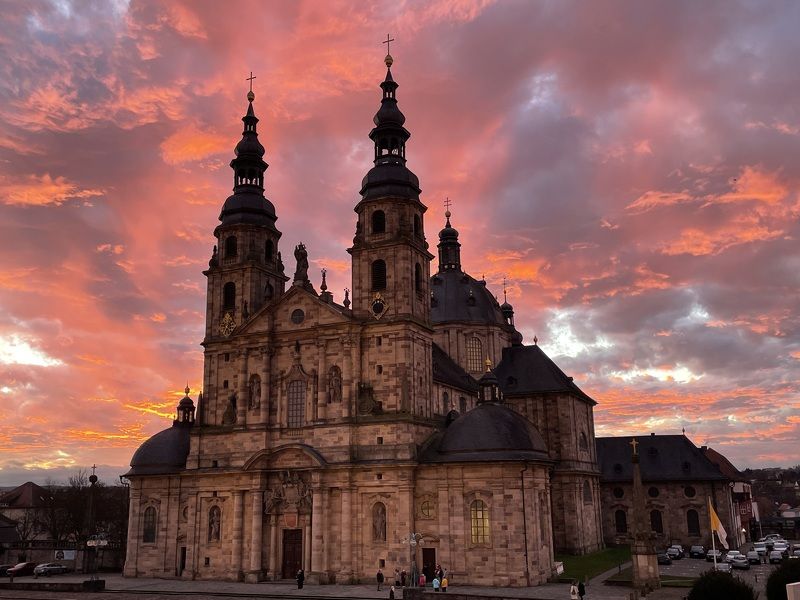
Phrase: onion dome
{"type": "Point", "coordinates": [488, 386]}
{"type": "Point", "coordinates": [389, 177]}
{"type": "Point", "coordinates": [449, 247]}
{"type": "Point", "coordinates": [489, 432]}
{"type": "Point", "coordinates": [248, 204]}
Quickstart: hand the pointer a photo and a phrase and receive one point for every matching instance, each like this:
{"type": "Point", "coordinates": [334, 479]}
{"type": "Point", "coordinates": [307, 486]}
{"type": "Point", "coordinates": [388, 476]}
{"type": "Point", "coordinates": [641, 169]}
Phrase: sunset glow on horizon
{"type": "Point", "coordinates": [632, 170]}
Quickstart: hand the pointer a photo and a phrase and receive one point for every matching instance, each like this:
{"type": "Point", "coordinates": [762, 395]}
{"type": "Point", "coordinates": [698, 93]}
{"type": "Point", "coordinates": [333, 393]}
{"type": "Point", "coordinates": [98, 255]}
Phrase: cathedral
{"type": "Point", "coordinates": [405, 428]}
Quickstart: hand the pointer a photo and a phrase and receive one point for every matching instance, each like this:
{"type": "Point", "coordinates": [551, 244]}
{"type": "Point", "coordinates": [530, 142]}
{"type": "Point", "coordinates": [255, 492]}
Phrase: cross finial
{"type": "Point", "coordinates": [94, 467]}
{"type": "Point", "coordinates": [634, 444]}
{"type": "Point", "coordinates": [250, 79]}
{"type": "Point", "coordinates": [388, 41]}
{"type": "Point", "coordinates": [505, 292]}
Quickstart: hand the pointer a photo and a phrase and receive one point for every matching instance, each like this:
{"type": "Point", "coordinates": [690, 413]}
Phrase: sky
{"type": "Point", "coordinates": [631, 168]}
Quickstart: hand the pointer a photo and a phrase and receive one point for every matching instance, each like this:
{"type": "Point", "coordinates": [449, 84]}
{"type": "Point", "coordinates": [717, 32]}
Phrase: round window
{"type": "Point", "coordinates": [618, 492]}
{"type": "Point", "coordinates": [689, 491]}
{"type": "Point", "coordinates": [653, 492]}
{"type": "Point", "coordinates": [298, 316]}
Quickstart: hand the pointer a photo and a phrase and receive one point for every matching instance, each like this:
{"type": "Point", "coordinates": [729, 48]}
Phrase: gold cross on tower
{"type": "Point", "coordinates": [250, 79]}
{"type": "Point", "coordinates": [634, 445]}
{"type": "Point", "coordinates": [389, 39]}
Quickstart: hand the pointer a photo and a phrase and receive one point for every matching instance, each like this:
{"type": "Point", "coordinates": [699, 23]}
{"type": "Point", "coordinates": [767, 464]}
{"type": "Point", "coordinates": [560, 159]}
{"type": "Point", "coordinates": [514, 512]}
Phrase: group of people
{"type": "Point", "coordinates": [577, 590]}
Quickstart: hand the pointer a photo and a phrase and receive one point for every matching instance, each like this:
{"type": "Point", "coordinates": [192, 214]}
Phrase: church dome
{"type": "Point", "coordinates": [455, 296]}
{"type": "Point", "coordinates": [489, 432]}
{"type": "Point", "coordinates": [165, 452]}
{"type": "Point", "coordinates": [248, 206]}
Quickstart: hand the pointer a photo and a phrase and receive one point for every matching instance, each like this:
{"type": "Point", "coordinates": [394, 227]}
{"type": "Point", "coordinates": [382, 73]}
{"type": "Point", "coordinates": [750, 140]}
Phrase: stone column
{"type": "Point", "coordinates": [346, 574]}
{"type": "Point", "coordinates": [322, 386]}
{"type": "Point", "coordinates": [307, 545]}
{"type": "Point", "coordinates": [237, 541]}
{"type": "Point", "coordinates": [263, 415]}
{"type": "Point", "coordinates": [318, 534]}
{"type": "Point", "coordinates": [255, 573]}
{"type": "Point", "coordinates": [132, 554]}
{"type": "Point", "coordinates": [273, 548]}
{"type": "Point", "coordinates": [244, 392]}
{"type": "Point", "coordinates": [191, 537]}
{"type": "Point", "coordinates": [348, 400]}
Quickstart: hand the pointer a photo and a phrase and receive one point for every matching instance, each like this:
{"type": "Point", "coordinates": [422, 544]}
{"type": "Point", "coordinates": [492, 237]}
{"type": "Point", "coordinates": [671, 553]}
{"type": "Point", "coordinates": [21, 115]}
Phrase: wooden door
{"type": "Point", "coordinates": [428, 563]}
{"type": "Point", "coordinates": [292, 552]}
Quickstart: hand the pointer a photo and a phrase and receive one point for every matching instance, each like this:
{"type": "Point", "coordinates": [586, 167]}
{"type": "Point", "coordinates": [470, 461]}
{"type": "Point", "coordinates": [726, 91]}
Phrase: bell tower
{"type": "Point", "coordinates": [390, 257]}
{"type": "Point", "coordinates": [245, 271]}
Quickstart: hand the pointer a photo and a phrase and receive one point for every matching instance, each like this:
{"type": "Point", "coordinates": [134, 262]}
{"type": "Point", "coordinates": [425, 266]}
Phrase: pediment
{"type": "Point", "coordinates": [290, 456]}
{"type": "Point", "coordinates": [299, 310]}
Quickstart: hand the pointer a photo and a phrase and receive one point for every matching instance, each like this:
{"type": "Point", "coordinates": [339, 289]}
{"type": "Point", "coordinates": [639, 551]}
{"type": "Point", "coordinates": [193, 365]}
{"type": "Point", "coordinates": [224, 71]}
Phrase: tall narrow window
{"type": "Point", "coordinates": [417, 226]}
{"type": "Point", "coordinates": [587, 492]}
{"type": "Point", "coordinates": [149, 525]}
{"type": "Point", "coordinates": [229, 296]}
{"type": "Point", "coordinates": [474, 354]}
{"type": "Point", "coordinates": [621, 521]}
{"type": "Point", "coordinates": [656, 523]}
{"type": "Point", "coordinates": [378, 275]}
{"type": "Point", "coordinates": [378, 222]}
{"type": "Point", "coordinates": [269, 251]}
{"type": "Point", "coordinates": [296, 408]}
{"type": "Point", "coordinates": [214, 523]}
{"type": "Point", "coordinates": [445, 403]}
{"type": "Point", "coordinates": [418, 277]}
{"type": "Point", "coordinates": [479, 520]}
{"type": "Point", "coordinates": [379, 522]}
{"type": "Point", "coordinates": [230, 246]}
{"type": "Point", "coordinates": [693, 522]}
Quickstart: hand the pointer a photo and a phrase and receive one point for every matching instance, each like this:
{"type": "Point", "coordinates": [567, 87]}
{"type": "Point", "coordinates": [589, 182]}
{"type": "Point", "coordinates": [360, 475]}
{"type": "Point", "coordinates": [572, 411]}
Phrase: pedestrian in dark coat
{"type": "Point", "coordinates": [379, 578]}
{"type": "Point", "coordinates": [391, 593]}
{"type": "Point", "coordinates": [301, 577]}
{"type": "Point", "coordinates": [403, 576]}
{"type": "Point", "coordinates": [581, 589]}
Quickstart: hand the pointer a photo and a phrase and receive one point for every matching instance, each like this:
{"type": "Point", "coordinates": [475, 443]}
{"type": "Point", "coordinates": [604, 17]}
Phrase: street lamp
{"type": "Point", "coordinates": [413, 540]}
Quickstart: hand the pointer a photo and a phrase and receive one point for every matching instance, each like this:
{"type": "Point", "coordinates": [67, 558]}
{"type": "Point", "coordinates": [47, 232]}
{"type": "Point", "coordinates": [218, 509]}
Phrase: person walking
{"type": "Point", "coordinates": [435, 584]}
{"type": "Point", "coordinates": [444, 583]}
{"type": "Point", "coordinates": [422, 580]}
{"type": "Point", "coordinates": [573, 591]}
{"type": "Point", "coordinates": [391, 593]}
{"type": "Point", "coordinates": [581, 589]}
{"type": "Point", "coordinates": [379, 579]}
{"type": "Point", "coordinates": [403, 576]}
{"type": "Point", "coordinates": [396, 577]}
{"type": "Point", "coordinates": [301, 577]}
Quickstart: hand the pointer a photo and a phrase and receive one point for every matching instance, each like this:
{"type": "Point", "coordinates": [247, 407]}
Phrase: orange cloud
{"type": "Point", "coordinates": [191, 144]}
{"type": "Point", "coordinates": [43, 190]}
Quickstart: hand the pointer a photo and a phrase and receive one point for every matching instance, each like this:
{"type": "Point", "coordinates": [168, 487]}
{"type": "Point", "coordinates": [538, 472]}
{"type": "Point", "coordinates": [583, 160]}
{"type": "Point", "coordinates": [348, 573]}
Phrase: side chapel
{"type": "Point", "coordinates": [343, 438]}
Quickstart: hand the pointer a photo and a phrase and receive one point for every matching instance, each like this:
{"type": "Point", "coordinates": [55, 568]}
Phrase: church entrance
{"type": "Point", "coordinates": [428, 563]}
{"type": "Point", "coordinates": [292, 552]}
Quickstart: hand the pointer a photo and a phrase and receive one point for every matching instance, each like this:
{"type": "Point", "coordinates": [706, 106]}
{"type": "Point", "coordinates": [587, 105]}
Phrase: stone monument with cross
{"type": "Point", "coordinates": [643, 550]}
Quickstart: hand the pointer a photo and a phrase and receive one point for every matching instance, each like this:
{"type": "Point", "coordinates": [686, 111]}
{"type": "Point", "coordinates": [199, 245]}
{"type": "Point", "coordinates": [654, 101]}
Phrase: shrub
{"type": "Point", "coordinates": [788, 572]}
{"type": "Point", "coordinates": [713, 585]}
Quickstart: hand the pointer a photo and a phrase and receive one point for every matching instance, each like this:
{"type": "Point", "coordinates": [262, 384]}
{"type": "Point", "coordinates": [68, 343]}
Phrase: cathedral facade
{"type": "Point", "coordinates": [343, 438]}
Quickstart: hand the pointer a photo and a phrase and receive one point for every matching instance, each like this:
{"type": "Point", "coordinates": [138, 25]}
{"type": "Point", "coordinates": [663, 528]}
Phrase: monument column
{"type": "Point", "coordinates": [643, 550]}
{"type": "Point", "coordinates": [255, 573]}
{"type": "Point", "coordinates": [237, 541]}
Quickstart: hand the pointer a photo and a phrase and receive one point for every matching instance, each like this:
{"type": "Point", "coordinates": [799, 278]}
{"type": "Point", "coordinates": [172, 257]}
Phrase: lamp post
{"type": "Point", "coordinates": [744, 536]}
{"type": "Point", "coordinates": [413, 540]}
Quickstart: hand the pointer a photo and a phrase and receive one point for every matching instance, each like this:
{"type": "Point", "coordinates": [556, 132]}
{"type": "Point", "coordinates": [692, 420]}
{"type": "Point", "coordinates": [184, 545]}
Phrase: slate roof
{"type": "Point", "coordinates": [456, 296]}
{"type": "Point", "coordinates": [723, 464]}
{"type": "Point", "coordinates": [448, 372]}
{"type": "Point", "coordinates": [163, 453]}
{"type": "Point", "coordinates": [488, 432]}
{"type": "Point", "coordinates": [528, 370]}
{"type": "Point", "coordinates": [27, 495]}
{"type": "Point", "coordinates": [661, 458]}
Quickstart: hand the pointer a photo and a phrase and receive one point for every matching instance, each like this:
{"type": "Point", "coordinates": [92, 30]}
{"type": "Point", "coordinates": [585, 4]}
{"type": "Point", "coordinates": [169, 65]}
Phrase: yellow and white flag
{"type": "Point", "coordinates": [716, 525]}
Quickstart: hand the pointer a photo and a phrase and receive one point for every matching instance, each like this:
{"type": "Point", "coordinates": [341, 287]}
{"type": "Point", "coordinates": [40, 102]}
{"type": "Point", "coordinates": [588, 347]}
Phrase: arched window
{"type": "Point", "coordinates": [229, 296]}
{"type": "Point", "coordinates": [214, 523]}
{"type": "Point", "coordinates": [149, 526]}
{"type": "Point", "coordinates": [269, 251]}
{"type": "Point", "coordinates": [269, 292]}
{"type": "Point", "coordinates": [692, 522]}
{"type": "Point", "coordinates": [378, 222]}
{"type": "Point", "coordinates": [479, 520]}
{"type": "Point", "coordinates": [656, 523]}
{"type": "Point", "coordinates": [418, 277]}
{"type": "Point", "coordinates": [417, 226]}
{"type": "Point", "coordinates": [621, 521]}
{"type": "Point", "coordinates": [583, 441]}
{"type": "Point", "coordinates": [379, 522]}
{"type": "Point", "coordinates": [445, 403]}
{"type": "Point", "coordinates": [474, 354]}
{"type": "Point", "coordinates": [587, 492]}
{"type": "Point", "coordinates": [230, 246]}
{"type": "Point", "coordinates": [378, 275]}
{"type": "Point", "coordinates": [462, 404]}
{"type": "Point", "coordinates": [296, 406]}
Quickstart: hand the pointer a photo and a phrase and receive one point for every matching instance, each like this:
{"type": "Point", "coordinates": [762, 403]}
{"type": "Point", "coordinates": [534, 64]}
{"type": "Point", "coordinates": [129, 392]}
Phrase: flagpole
{"type": "Point", "coordinates": [714, 549]}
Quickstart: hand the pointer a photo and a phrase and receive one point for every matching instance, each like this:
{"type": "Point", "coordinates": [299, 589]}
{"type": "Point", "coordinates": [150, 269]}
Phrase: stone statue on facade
{"type": "Point", "coordinates": [229, 416]}
{"type": "Point", "coordinates": [301, 272]}
{"type": "Point", "coordinates": [334, 385]}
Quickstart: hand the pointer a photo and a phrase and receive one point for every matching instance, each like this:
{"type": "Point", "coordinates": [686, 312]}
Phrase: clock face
{"type": "Point", "coordinates": [379, 306]}
{"type": "Point", "coordinates": [227, 325]}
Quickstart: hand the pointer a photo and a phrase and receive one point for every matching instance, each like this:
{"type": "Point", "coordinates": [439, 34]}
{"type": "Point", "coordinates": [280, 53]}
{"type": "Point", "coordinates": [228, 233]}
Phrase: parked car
{"type": "Point", "coordinates": [795, 554]}
{"type": "Point", "coordinates": [675, 552]}
{"type": "Point", "coordinates": [761, 548]}
{"type": "Point", "coordinates": [771, 537]}
{"type": "Point", "coordinates": [724, 567]}
{"type": "Point", "coordinates": [776, 556]}
{"type": "Point", "coordinates": [697, 552]}
{"type": "Point", "coordinates": [714, 554]}
{"type": "Point", "coordinates": [663, 558]}
{"type": "Point", "coordinates": [730, 555]}
{"type": "Point", "coordinates": [47, 569]}
{"type": "Point", "coordinates": [740, 562]}
{"type": "Point", "coordinates": [781, 547]}
{"type": "Point", "coordinates": [3, 569]}
{"type": "Point", "coordinates": [23, 568]}
{"type": "Point", "coordinates": [753, 557]}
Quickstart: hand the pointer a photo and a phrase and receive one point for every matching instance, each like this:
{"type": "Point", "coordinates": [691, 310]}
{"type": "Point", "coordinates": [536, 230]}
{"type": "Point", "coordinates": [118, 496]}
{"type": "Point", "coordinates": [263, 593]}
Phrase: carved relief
{"type": "Point", "coordinates": [426, 507]}
{"type": "Point", "coordinates": [291, 494]}
{"type": "Point", "coordinates": [229, 416]}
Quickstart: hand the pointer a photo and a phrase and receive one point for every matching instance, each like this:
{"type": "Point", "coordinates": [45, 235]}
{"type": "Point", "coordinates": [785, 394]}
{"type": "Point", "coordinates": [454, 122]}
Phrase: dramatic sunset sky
{"type": "Point", "coordinates": [632, 168]}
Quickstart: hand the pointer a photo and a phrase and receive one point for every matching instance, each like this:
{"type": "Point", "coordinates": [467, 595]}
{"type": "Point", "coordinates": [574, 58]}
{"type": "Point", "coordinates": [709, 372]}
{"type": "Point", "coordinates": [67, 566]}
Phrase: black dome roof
{"type": "Point", "coordinates": [458, 297]}
{"type": "Point", "coordinates": [248, 206]}
{"type": "Point", "coordinates": [489, 432]}
{"type": "Point", "coordinates": [163, 453]}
